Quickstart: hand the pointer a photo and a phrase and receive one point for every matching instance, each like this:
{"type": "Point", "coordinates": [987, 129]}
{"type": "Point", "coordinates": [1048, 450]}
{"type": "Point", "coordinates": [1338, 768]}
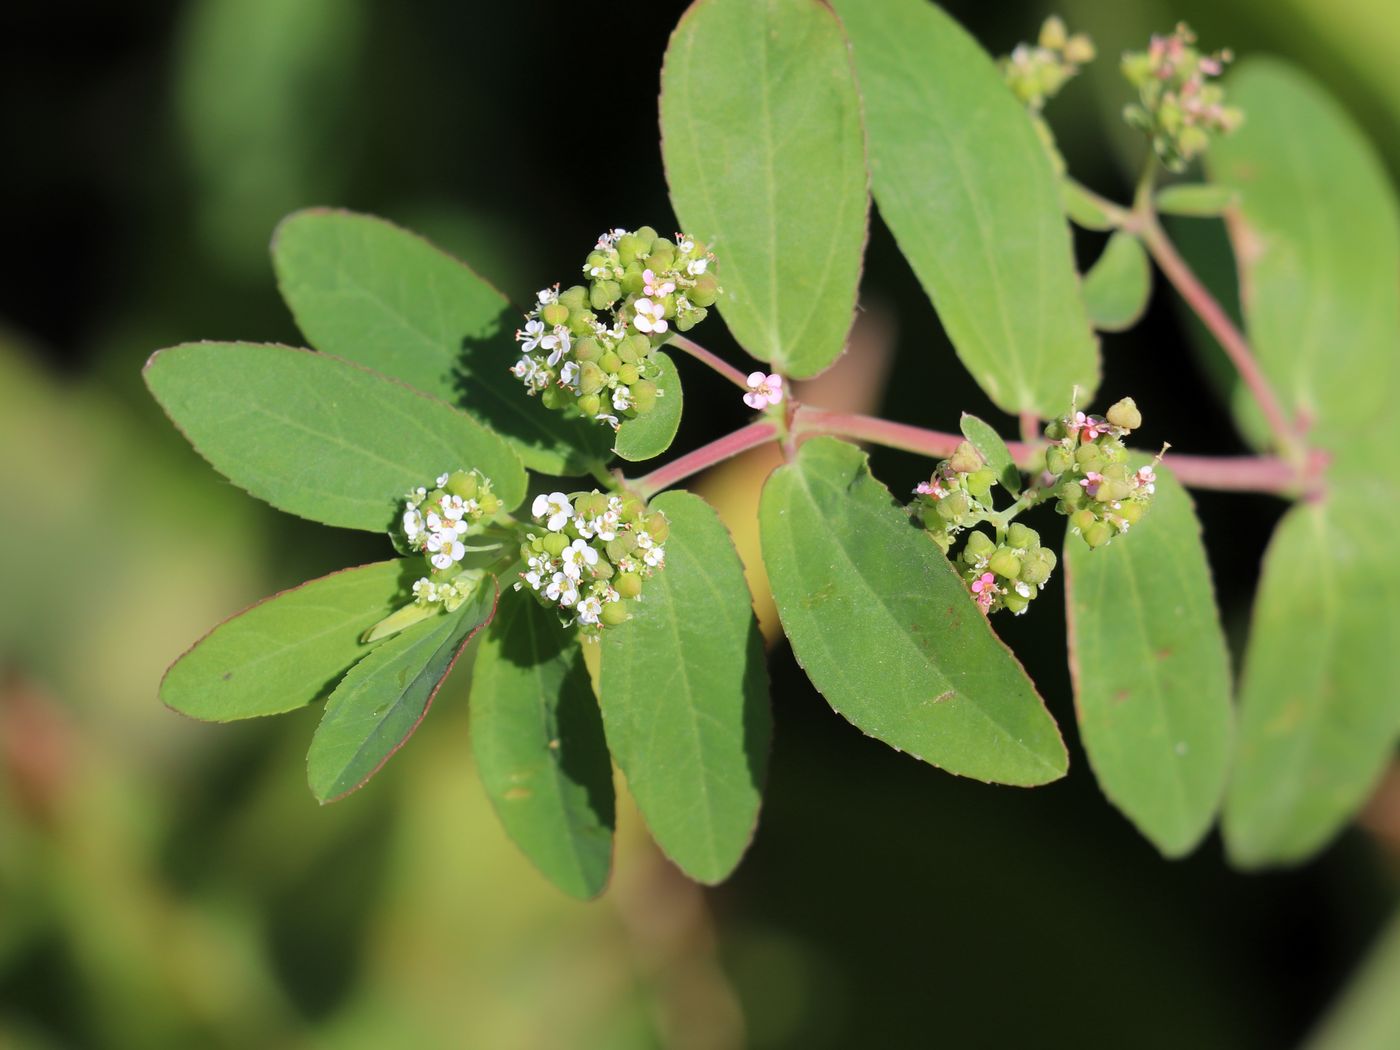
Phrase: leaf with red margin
{"type": "Point", "coordinates": [384, 697]}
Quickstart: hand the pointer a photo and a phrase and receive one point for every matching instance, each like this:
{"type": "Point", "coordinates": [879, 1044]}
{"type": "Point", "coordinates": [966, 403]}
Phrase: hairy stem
{"type": "Point", "coordinates": [717, 451]}
{"type": "Point", "coordinates": [724, 368]}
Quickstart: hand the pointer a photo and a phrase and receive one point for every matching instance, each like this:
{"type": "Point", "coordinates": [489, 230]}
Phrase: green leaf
{"type": "Point", "coordinates": [538, 741]}
{"type": "Point", "coordinates": [887, 631]}
{"type": "Point", "coordinates": [287, 650]}
{"type": "Point", "coordinates": [1195, 200]}
{"type": "Point", "coordinates": [764, 153]}
{"type": "Point", "coordinates": [1118, 285]}
{"type": "Point", "coordinates": [685, 697]}
{"type": "Point", "coordinates": [317, 436]}
{"type": "Point", "coordinates": [988, 442]}
{"type": "Point", "coordinates": [1081, 208]}
{"type": "Point", "coordinates": [1151, 672]}
{"type": "Point", "coordinates": [965, 184]}
{"type": "Point", "coordinates": [1317, 239]}
{"type": "Point", "coordinates": [368, 291]}
{"type": "Point", "coordinates": [1319, 712]}
{"type": "Point", "coordinates": [379, 704]}
{"type": "Point", "coordinates": [651, 434]}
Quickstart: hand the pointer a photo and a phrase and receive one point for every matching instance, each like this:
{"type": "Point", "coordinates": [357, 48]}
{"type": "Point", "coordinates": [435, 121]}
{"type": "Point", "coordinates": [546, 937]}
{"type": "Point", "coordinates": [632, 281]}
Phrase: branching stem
{"type": "Point", "coordinates": [724, 368]}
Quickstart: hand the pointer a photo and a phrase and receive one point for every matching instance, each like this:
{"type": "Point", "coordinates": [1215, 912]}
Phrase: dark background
{"type": "Point", "coordinates": [163, 883]}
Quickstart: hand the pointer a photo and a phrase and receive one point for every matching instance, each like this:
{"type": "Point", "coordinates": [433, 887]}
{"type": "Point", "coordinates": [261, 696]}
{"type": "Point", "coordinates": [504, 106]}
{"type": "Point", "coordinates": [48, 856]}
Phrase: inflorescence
{"type": "Point", "coordinates": [592, 556]}
{"type": "Point", "coordinates": [436, 523]}
{"type": "Point", "coordinates": [1094, 484]}
{"type": "Point", "coordinates": [588, 349]}
{"type": "Point", "coordinates": [1036, 72]}
{"type": "Point", "coordinates": [1179, 105]}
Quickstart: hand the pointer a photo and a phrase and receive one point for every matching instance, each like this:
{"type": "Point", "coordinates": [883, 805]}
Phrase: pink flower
{"type": "Point", "coordinates": [930, 488]}
{"type": "Point", "coordinates": [764, 390]}
{"type": "Point", "coordinates": [1091, 482]}
{"type": "Point", "coordinates": [984, 588]}
{"type": "Point", "coordinates": [655, 286]}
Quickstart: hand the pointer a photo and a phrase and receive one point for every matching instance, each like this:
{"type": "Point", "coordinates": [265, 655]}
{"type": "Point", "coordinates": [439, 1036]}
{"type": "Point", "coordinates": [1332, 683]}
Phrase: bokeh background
{"type": "Point", "coordinates": [170, 884]}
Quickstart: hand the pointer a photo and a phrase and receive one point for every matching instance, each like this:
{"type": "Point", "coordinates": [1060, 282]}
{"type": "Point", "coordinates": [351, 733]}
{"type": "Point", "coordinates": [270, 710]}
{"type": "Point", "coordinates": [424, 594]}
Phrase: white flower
{"type": "Point", "coordinates": [525, 369]}
{"type": "Point", "coordinates": [453, 507]}
{"type": "Point", "coordinates": [1147, 480]}
{"type": "Point", "coordinates": [653, 284]}
{"type": "Point", "coordinates": [605, 526]}
{"type": "Point", "coordinates": [442, 479]}
{"type": "Point", "coordinates": [644, 540]}
{"type": "Point", "coordinates": [626, 565]}
{"type": "Point", "coordinates": [557, 343]}
{"type": "Point", "coordinates": [534, 579]}
{"type": "Point", "coordinates": [545, 296]}
{"type": "Point", "coordinates": [578, 556]}
{"type": "Point", "coordinates": [446, 549]}
{"type": "Point", "coordinates": [589, 610]}
{"type": "Point", "coordinates": [424, 590]}
{"type": "Point", "coordinates": [568, 375]}
{"type": "Point", "coordinates": [554, 507]}
{"type": "Point", "coordinates": [449, 528]}
{"type": "Point", "coordinates": [651, 317]}
{"type": "Point", "coordinates": [684, 243]}
{"type": "Point", "coordinates": [530, 336]}
{"type": "Point", "coordinates": [697, 266]}
{"type": "Point", "coordinates": [561, 589]}
{"type": "Point", "coordinates": [412, 524]}
{"type": "Point", "coordinates": [609, 238]}
{"type": "Point", "coordinates": [764, 390]}
{"type": "Point", "coordinates": [656, 557]}
{"type": "Point", "coordinates": [1023, 589]}
{"type": "Point", "coordinates": [610, 420]}
{"type": "Point", "coordinates": [622, 399]}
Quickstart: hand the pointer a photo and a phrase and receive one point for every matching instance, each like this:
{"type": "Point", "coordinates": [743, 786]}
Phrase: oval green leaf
{"type": "Point", "coordinates": [987, 441]}
{"type": "Point", "coordinates": [764, 153]}
{"type": "Point", "coordinates": [317, 436]}
{"type": "Point", "coordinates": [386, 696]}
{"type": "Point", "coordinates": [286, 651]}
{"type": "Point", "coordinates": [684, 693]}
{"type": "Point", "coordinates": [651, 434]}
{"type": "Point", "coordinates": [365, 290]}
{"type": "Point", "coordinates": [537, 737]}
{"type": "Point", "coordinates": [887, 631]}
{"type": "Point", "coordinates": [1199, 200]}
{"type": "Point", "coordinates": [1319, 711]}
{"type": "Point", "coordinates": [968, 190]}
{"type": "Point", "coordinates": [1151, 672]}
{"type": "Point", "coordinates": [1081, 208]}
{"type": "Point", "coordinates": [1317, 241]}
{"type": "Point", "coordinates": [1118, 285]}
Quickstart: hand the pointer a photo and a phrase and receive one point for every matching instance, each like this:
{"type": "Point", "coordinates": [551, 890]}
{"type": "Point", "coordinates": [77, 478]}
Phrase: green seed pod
{"type": "Point", "coordinates": [631, 247]}
{"type": "Point", "coordinates": [489, 502]}
{"type": "Point", "coordinates": [1089, 457]}
{"type": "Point", "coordinates": [628, 584]}
{"type": "Point", "coordinates": [1004, 563]}
{"type": "Point", "coordinates": [1112, 490]}
{"type": "Point", "coordinates": [588, 349]}
{"type": "Point", "coordinates": [591, 378]}
{"type": "Point", "coordinates": [554, 543]}
{"type": "Point", "coordinates": [1049, 558]}
{"type": "Point", "coordinates": [1057, 460]}
{"type": "Point", "coordinates": [1115, 472]}
{"type": "Point", "coordinates": [628, 374]}
{"type": "Point", "coordinates": [943, 540]}
{"type": "Point", "coordinates": [597, 260]}
{"type": "Point", "coordinates": [706, 290]}
{"type": "Point", "coordinates": [581, 321]}
{"type": "Point", "coordinates": [1053, 33]}
{"type": "Point", "coordinates": [657, 526]}
{"type": "Point", "coordinates": [1022, 537]}
{"type": "Point", "coordinates": [1083, 519]}
{"type": "Point", "coordinates": [627, 353]}
{"type": "Point", "coordinates": [603, 569]}
{"type": "Point", "coordinates": [951, 508]}
{"type": "Point", "coordinates": [613, 614]}
{"type": "Point", "coordinates": [688, 320]}
{"type": "Point", "coordinates": [1015, 603]}
{"type": "Point", "coordinates": [643, 396]}
{"type": "Point", "coordinates": [1035, 571]}
{"type": "Point", "coordinates": [590, 405]}
{"type": "Point", "coordinates": [632, 511]}
{"type": "Point", "coordinates": [610, 363]}
{"type": "Point", "coordinates": [1079, 49]}
{"type": "Point", "coordinates": [638, 344]}
{"type": "Point", "coordinates": [1055, 430]}
{"type": "Point", "coordinates": [1070, 492]}
{"type": "Point", "coordinates": [591, 504]}
{"type": "Point", "coordinates": [1097, 534]}
{"type": "Point", "coordinates": [462, 483]}
{"type": "Point", "coordinates": [553, 314]}
{"type": "Point", "coordinates": [632, 282]}
{"type": "Point", "coordinates": [965, 459]}
{"type": "Point", "coordinates": [979, 546]}
{"type": "Point", "coordinates": [1132, 512]}
{"type": "Point", "coordinates": [604, 293]}
{"type": "Point", "coordinates": [575, 297]}
{"type": "Point", "coordinates": [1125, 414]}
{"type": "Point", "coordinates": [556, 397]}
{"type": "Point", "coordinates": [647, 235]}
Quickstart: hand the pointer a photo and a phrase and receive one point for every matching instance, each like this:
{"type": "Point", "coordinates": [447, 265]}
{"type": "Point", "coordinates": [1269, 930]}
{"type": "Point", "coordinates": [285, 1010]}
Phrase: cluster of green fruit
{"type": "Point", "coordinates": [1009, 574]}
{"type": "Point", "coordinates": [1094, 484]}
{"type": "Point", "coordinates": [1037, 72]}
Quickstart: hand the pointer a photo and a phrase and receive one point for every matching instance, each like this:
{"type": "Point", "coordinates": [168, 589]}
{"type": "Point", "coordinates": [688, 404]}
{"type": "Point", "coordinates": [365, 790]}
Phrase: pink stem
{"type": "Point", "coordinates": [721, 366]}
{"type": "Point", "coordinates": [717, 451]}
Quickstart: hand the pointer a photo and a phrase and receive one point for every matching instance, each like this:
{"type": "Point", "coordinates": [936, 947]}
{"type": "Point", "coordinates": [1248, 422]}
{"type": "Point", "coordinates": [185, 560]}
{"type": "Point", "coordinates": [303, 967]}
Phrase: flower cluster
{"type": "Point", "coordinates": [1179, 106]}
{"type": "Point", "coordinates": [956, 496]}
{"type": "Point", "coordinates": [1006, 575]}
{"type": "Point", "coordinates": [1094, 484]}
{"type": "Point", "coordinates": [1036, 73]}
{"type": "Point", "coordinates": [594, 554]}
{"type": "Point", "coordinates": [436, 523]}
{"type": "Point", "coordinates": [588, 349]}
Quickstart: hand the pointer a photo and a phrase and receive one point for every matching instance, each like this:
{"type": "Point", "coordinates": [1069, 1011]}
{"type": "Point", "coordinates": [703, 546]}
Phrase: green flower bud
{"type": "Point", "coordinates": [1097, 534]}
{"type": "Point", "coordinates": [604, 293]}
{"type": "Point", "coordinates": [706, 290]}
{"type": "Point", "coordinates": [1079, 49]}
{"type": "Point", "coordinates": [431, 499]}
{"type": "Point", "coordinates": [614, 613]}
{"type": "Point", "coordinates": [979, 546]}
{"type": "Point", "coordinates": [554, 543]}
{"type": "Point", "coordinates": [462, 483]}
{"type": "Point", "coordinates": [575, 298]}
{"type": "Point", "coordinates": [1053, 33]}
{"type": "Point", "coordinates": [489, 502]}
{"type": "Point", "coordinates": [965, 459]}
{"type": "Point", "coordinates": [628, 584]}
{"type": "Point", "coordinates": [1004, 563]}
{"type": "Point", "coordinates": [1083, 519]}
{"type": "Point", "coordinates": [643, 396]}
{"type": "Point", "coordinates": [1125, 414]}
{"type": "Point", "coordinates": [590, 405]}
{"type": "Point", "coordinates": [554, 313]}
{"type": "Point", "coordinates": [1022, 537]}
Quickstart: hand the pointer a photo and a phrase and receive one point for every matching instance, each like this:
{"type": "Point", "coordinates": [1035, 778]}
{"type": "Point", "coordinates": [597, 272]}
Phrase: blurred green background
{"type": "Point", "coordinates": [169, 884]}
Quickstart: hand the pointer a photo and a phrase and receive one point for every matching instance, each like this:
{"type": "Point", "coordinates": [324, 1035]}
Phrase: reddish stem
{"type": "Point", "coordinates": [717, 451]}
{"type": "Point", "coordinates": [724, 368]}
